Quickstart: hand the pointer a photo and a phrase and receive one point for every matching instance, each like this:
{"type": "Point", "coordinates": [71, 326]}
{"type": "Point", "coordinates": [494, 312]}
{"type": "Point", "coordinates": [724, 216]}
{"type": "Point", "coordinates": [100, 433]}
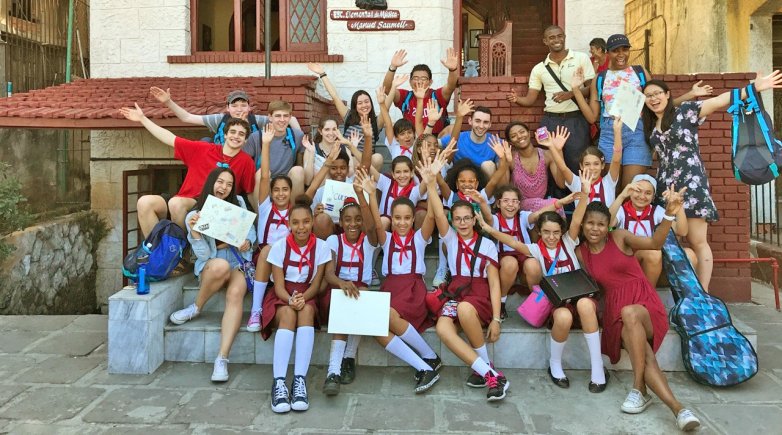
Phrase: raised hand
{"type": "Point", "coordinates": [160, 95]}
{"type": "Point", "coordinates": [365, 180]}
{"type": "Point", "coordinates": [587, 178]}
{"type": "Point", "coordinates": [419, 90]}
{"type": "Point", "coordinates": [380, 94]}
{"type": "Point", "coordinates": [566, 200]}
{"type": "Point", "coordinates": [674, 200]}
{"type": "Point", "coordinates": [354, 139]}
{"type": "Point", "coordinates": [316, 68]}
{"type": "Point", "coordinates": [305, 142]}
{"type": "Point", "coordinates": [464, 108]}
{"type": "Point", "coordinates": [449, 150]}
{"type": "Point", "coordinates": [132, 114]}
{"type": "Point", "coordinates": [398, 59]}
{"type": "Point", "coordinates": [559, 137]}
{"type": "Point", "coordinates": [482, 222]}
{"type": "Point", "coordinates": [451, 60]}
{"type": "Point", "coordinates": [433, 111]}
{"type": "Point", "coordinates": [366, 124]}
{"type": "Point", "coordinates": [578, 78]}
{"type": "Point", "coordinates": [773, 80]}
{"type": "Point", "coordinates": [633, 187]}
{"type": "Point", "coordinates": [701, 90]}
{"type": "Point", "coordinates": [475, 196]}
{"type": "Point", "coordinates": [399, 80]}
{"type": "Point", "coordinates": [512, 97]}
{"type": "Point", "coordinates": [333, 154]}
{"type": "Point", "coordinates": [268, 134]}
{"type": "Point", "coordinates": [497, 145]}
{"type": "Point", "coordinates": [424, 169]}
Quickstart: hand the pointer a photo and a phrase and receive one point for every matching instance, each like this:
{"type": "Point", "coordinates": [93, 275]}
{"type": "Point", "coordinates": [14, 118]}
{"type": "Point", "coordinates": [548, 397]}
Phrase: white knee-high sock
{"type": "Point", "coordinates": [399, 349]}
{"type": "Point", "coordinates": [414, 339]}
{"type": "Point", "coordinates": [480, 366]}
{"type": "Point", "coordinates": [283, 343]}
{"type": "Point", "coordinates": [305, 338]}
{"type": "Point", "coordinates": [335, 357]}
{"type": "Point", "coordinates": [593, 343]}
{"type": "Point", "coordinates": [555, 362]}
{"type": "Point", "coordinates": [352, 347]}
{"type": "Point", "coordinates": [259, 289]}
{"type": "Point", "coordinates": [483, 353]}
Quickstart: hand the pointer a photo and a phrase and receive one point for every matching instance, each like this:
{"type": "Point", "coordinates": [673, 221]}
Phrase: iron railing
{"type": "Point", "coordinates": [764, 211]}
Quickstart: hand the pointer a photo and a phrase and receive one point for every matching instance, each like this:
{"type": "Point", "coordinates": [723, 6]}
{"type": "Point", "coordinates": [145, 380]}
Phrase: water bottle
{"type": "Point", "coordinates": [142, 287]}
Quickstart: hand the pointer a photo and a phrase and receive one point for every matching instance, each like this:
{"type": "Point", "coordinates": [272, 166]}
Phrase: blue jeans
{"type": "Point", "coordinates": [635, 150]}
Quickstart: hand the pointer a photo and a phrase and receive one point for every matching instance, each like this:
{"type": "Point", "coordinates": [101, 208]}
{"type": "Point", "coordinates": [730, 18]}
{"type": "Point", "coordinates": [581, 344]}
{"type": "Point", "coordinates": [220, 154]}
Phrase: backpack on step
{"type": "Point", "coordinates": [755, 151]}
{"type": "Point", "coordinates": [164, 247]}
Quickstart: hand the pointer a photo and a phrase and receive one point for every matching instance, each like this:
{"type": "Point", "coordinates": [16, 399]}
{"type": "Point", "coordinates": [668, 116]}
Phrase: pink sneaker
{"type": "Point", "coordinates": [254, 324]}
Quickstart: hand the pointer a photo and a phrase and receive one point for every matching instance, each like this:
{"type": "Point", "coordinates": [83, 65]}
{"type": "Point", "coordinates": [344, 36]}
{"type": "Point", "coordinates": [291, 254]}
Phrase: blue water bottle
{"type": "Point", "coordinates": [142, 287]}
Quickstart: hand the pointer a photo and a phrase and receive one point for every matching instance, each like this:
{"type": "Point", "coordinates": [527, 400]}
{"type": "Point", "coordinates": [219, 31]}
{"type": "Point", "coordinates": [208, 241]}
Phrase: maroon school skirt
{"type": "Point", "coordinates": [408, 298]}
{"type": "Point", "coordinates": [324, 302]}
{"type": "Point", "coordinates": [477, 293]}
{"type": "Point", "coordinates": [271, 302]}
{"type": "Point", "coordinates": [520, 258]}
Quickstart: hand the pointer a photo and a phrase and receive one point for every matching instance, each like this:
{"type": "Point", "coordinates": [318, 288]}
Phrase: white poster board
{"type": "Point", "coordinates": [224, 221]}
{"type": "Point", "coordinates": [334, 195]}
{"type": "Point", "coordinates": [628, 103]}
{"type": "Point", "coordinates": [367, 315]}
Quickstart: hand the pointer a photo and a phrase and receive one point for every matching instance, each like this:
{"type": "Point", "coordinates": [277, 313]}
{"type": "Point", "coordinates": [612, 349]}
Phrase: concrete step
{"type": "Point", "coordinates": [520, 345]}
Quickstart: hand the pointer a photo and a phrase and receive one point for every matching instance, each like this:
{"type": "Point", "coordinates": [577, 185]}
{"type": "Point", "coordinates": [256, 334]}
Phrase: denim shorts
{"type": "Point", "coordinates": [635, 150]}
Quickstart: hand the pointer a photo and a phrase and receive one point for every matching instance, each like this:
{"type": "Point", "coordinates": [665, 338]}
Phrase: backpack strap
{"type": "Point", "coordinates": [219, 137]}
{"type": "Point", "coordinates": [406, 103]}
{"type": "Point", "coordinates": [290, 138]}
{"type": "Point", "coordinates": [599, 82]}
{"type": "Point", "coordinates": [639, 71]}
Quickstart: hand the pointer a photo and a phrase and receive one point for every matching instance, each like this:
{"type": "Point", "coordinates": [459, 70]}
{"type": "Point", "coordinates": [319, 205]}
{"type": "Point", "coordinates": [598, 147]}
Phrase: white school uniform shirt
{"type": "Point", "coordinates": [384, 184]}
{"type": "Point", "coordinates": [643, 228]}
{"type": "Point", "coordinates": [351, 273]}
{"type": "Point", "coordinates": [396, 150]}
{"type": "Point", "coordinates": [419, 245]}
{"type": "Point", "coordinates": [524, 227]}
{"type": "Point", "coordinates": [568, 250]}
{"type": "Point", "coordinates": [487, 254]}
{"type": "Point", "coordinates": [276, 257]}
{"type": "Point", "coordinates": [607, 187]}
{"type": "Point", "coordinates": [270, 228]}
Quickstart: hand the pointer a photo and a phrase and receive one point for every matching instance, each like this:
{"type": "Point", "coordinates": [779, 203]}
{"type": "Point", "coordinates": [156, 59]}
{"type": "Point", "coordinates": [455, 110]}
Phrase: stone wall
{"type": "Point", "coordinates": [52, 270]}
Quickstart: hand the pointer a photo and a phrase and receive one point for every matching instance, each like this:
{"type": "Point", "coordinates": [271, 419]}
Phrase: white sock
{"type": "Point", "coordinates": [352, 347]}
{"type": "Point", "coordinates": [414, 339]}
{"type": "Point", "coordinates": [503, 299]}
{"type": "Point", "coordinates": [593, 343]}
{"type": "Point", "coordinates": [335, 357]}
{"type": "Point", "coordinates": [480, 366]}
{"type": "Point", "coordinates": [555, 362]}
{"type": "Point", "coordinates": [483, 353]}
{"type": "Point", "coordinates": [259, 289]}
{"type": "Point", "coordinates": [283, 343]}
{"type": "Point", "coordinates": [305, 338]}
{"type": "Point", "coordinates": [399, 349]}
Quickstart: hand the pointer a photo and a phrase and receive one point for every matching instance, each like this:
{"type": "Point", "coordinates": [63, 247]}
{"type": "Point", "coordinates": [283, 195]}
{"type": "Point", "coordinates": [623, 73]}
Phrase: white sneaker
{"type": "Point", "coordinates": [375, 279]}
{"type": "Point", "coordinates": [220, 372]}
{"type": "Point", "coordinates": [636, 403]}
{"type": "Point", "coordinates": [188, 313]}
{"type": "Point", "coordinates": [254, 324]}
{"type": "Point", "coordinates": [686, 420]}
{"type": "Point", "coordinates": [440, 275]}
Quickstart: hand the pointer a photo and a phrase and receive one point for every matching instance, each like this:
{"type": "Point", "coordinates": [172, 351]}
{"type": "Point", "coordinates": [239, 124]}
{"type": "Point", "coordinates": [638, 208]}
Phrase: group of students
{"type": "Point", "coordinates": [490, 232]}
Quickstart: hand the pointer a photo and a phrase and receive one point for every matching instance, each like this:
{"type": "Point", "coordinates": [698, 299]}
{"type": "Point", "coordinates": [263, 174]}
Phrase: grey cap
{"type": "Point", "coordinates": [237, 95]}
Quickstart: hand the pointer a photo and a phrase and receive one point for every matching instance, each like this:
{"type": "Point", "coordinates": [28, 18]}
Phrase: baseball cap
{"type": "Point", "coordinates": [617, 40]}
{"type": "Point", "coordinates": [237, 95]}
{"type": "Point", "coordinates": [646, 177]}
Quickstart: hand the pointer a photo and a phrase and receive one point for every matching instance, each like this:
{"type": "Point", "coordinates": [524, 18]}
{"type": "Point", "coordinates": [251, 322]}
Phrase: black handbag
{"type": "Point", "coordinates": [564, 288]}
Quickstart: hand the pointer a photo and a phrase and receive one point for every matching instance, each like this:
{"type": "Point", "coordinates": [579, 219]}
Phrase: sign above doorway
{"type": "Point", "coordinates": [372, 20]}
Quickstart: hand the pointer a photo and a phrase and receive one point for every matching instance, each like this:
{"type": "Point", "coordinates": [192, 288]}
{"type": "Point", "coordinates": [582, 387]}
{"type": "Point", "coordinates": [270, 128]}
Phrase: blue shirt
{"type": "Point", "coordinates": [467, 149]}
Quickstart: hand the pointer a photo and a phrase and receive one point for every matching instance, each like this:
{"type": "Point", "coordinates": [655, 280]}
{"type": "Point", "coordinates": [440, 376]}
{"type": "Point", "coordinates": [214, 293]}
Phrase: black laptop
{"type": "Point", "coordinates": [568, 287]}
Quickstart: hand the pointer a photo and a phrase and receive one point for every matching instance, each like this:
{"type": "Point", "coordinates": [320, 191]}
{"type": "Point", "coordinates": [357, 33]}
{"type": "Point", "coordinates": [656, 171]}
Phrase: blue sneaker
{"type": "Point", "coordinates": [280, 397]}
{"type": "Point", "coordinates": [300, 400]}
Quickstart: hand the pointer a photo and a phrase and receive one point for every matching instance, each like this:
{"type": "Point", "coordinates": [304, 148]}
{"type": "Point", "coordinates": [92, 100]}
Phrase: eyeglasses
{"type": "Point", "coordinates": [463, 219]}
{"type": "Point", "coordinates": [509, 201]}
{"type": "Point", "coordinates": [654, 94]}
{"type": "Point", "coordinates": [419, 79]}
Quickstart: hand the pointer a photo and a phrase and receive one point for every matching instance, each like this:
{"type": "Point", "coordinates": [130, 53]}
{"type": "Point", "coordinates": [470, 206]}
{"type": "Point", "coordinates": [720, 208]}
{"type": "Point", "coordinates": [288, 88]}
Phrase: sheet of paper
{"type": "Point", "coordinates": [628, 103]}
{"type": "Point", "coordinates": [334, 195]}
{"type": "Point", "coordinates": [224, 221]}
{"type": "Point", "coordinates": [367, 315]}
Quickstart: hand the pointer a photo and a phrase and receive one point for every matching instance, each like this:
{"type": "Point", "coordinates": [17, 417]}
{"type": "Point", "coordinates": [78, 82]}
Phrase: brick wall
{"type": "Point", "coordinates": [729, 237]}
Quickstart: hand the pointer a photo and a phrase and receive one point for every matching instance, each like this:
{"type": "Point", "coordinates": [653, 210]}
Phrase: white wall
{"type": "Point", "coordinates": [588, 19]}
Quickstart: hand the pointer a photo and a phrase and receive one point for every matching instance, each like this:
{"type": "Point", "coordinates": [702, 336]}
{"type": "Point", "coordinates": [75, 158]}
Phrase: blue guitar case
{"type": "Point", "coordinates": [714, 352]}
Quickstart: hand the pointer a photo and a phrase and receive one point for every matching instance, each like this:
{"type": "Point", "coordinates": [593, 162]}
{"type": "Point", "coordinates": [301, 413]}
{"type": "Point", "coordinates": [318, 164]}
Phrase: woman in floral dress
{"type": "Point", "coordinates": [673, 132]}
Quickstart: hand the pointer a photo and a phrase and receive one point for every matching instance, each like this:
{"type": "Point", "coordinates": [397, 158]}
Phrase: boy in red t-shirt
{"type": "Point", "coordinates": [406, 101]}
{"type": "Point", "coordinates": [200, 158]}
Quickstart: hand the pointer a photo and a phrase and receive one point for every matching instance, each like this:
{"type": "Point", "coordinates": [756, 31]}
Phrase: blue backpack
{"type": "Point", "coordinates": [444, 117]}
{"type": "Point", "coordinates": [755, 151]}
{"type": "Point", "coordinates": [219, 137]}
{"type": "Point", "coordinates": [164, 247]}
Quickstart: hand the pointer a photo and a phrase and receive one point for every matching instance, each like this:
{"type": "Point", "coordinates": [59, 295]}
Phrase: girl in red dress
{"type": "Point", "coordinates": [634, 316]}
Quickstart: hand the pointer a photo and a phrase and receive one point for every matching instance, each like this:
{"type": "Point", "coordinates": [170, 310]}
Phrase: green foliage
{"type": "Point", "coordinates": [13, 212]}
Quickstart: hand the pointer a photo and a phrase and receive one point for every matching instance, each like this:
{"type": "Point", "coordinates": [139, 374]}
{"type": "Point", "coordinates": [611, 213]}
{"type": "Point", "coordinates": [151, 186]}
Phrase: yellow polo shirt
{"type": "Point", "coordinates": [540, 78]}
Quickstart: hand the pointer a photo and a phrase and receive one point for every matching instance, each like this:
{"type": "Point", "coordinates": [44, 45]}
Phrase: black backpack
{"type": "Point", "coordinates": [755, 151]}
{"type": "Point", "coordinates": [163, 247]}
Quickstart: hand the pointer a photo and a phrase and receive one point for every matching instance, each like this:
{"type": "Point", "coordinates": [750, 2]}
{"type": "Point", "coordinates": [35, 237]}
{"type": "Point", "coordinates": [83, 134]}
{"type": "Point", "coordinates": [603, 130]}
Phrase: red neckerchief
{"type": "Point", "coordinates": [464, 197]}
{"type": "Point", "coordinates": [467, 251]}
{"type": "Point", "coordinates": [283, 220]}
{"type": "Point", "coordinates": [515, 232]}
{"type": "Point", "coordinates": [547, 261]}
{"type": "Point", "coordinates": [403, 247]}
{"type": "Point", "coordinates": [633, 213]}
{"type": "Point", "coordinates": [592, 190]}
{"type": "Point", "coordinates": [306, 256]}
{"type": "Point", "coordinates": [354, 249]}
{"type": "Point", "coordinates": [396, 193]}
{"type": "Point", "coordinates": [406, 150]}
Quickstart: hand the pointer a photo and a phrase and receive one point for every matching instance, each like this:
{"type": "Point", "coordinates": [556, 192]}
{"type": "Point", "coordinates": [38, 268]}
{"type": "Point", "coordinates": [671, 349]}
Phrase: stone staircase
{"type": "Point", "coordinates": [141, 337]}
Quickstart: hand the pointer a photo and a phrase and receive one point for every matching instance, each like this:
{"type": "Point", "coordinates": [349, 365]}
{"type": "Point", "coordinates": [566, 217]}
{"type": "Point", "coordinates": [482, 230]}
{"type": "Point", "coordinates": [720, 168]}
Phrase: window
{"type": "Point", "coordinates": [22, 9]}
{"type": "Point", "coordinates": [296, 26]}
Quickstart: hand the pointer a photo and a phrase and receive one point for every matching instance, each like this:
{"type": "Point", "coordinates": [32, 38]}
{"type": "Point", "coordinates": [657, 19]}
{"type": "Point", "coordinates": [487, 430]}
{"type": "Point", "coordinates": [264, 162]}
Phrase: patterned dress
{"type": "Point", "coordinates": [532, 186]}
{"type": "Point", "coordinates": [680, 162]}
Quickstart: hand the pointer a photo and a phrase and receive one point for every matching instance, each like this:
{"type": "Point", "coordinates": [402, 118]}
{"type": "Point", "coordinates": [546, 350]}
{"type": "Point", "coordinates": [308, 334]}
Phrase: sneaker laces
{"type": "Point", "coordinates": [255, 317]}
{"type": "Point", "coordinates": [299, 387]}
{"type": "Point", "coordinates": [491, 380]}
{"type": "Point", "coordinates": [635, 398]}
{"type": "Point", "coordinates": [686, 413]}
{"type": "Point", "coordinates": [221, 364]}
{"type": "Point", "coordinates": [280, 391]}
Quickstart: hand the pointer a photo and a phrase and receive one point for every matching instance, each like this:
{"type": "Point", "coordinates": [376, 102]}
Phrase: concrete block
{"type": "Point", "coordinates": [242, 350]}
{"type": "Point", "coordinates": [185, 346]}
